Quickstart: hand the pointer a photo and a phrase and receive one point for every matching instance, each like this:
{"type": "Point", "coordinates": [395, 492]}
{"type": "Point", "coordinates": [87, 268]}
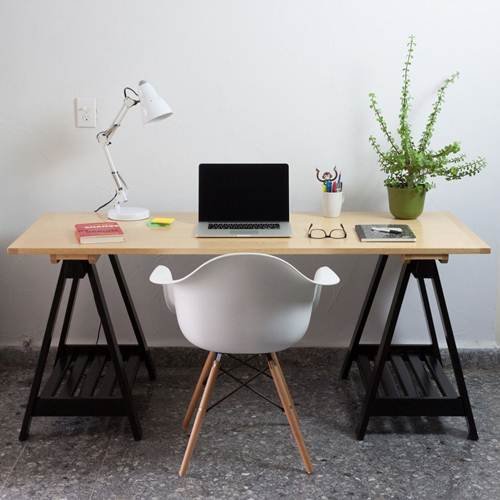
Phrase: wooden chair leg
{"type": "Point", "coordinates": [200, 415]}
{"type": "Point", "coordinates": [288, 406]}
{"type": "Point", "coordinates": [198, 390]}
{"type": "Point", "coordinates": [280, 369]}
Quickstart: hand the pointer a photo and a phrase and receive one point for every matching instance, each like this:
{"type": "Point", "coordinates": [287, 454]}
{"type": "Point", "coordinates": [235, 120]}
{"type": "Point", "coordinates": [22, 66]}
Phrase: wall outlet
{"type": "Point", "coordinates": [85, 112]}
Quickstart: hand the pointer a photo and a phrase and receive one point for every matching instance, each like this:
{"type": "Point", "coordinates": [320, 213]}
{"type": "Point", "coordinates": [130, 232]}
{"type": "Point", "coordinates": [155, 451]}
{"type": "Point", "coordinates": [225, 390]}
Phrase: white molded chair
{"type": "Point", "coordinates": [246, 303]}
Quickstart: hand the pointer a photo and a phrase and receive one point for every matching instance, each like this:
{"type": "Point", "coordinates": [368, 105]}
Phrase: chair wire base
{"type": "Point", "coordinates": [244, 384]}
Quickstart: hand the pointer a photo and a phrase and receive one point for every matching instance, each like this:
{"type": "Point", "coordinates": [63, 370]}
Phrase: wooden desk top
{"type": "Point", "coordinates": [438, 235]}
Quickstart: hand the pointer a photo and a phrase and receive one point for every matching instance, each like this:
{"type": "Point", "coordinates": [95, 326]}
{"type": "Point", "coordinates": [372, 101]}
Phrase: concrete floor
{"type": "Point", "coordinates": [245, 449]}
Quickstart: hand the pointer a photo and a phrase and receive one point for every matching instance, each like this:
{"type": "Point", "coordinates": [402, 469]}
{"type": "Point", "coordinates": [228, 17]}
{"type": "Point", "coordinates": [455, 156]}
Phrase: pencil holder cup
{"type": "Point", "coordinates": [331, 204]}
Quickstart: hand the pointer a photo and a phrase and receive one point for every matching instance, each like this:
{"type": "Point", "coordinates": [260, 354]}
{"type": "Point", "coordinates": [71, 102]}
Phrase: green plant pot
{"type": "Point", "coordinates": [406, 203]}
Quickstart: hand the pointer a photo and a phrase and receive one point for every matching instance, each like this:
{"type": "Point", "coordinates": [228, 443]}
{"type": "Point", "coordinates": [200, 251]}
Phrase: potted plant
{"type": "Point", "coordinates": [409, 166]}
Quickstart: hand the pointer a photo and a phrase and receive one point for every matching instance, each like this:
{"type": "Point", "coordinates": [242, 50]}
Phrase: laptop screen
{"type": "Point", "coordinates": [243, 192]}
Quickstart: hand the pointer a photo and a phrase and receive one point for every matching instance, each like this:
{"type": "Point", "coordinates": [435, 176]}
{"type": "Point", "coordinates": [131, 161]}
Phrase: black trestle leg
{"type": "Point", "coordinates": [363, 317]}
{"type": "Point", "coordinates": [132, 313]}
{"type": "Point", "coordinates": [384, 348]}
{"type": "Point", "coordinates": [452, 348]}
{"type": "Point", "coordinates": [44, 352]}
{"type": "Point", "coordinates": [114, 351]}
{"type": "Point", "coordinates": [435, 395]}
{"type": "Point", "coordinates": [84, 376]}
{"type": "Point", "coordinates": [428, 316]}
{"type": "Point", "coordinates": [67, 318]}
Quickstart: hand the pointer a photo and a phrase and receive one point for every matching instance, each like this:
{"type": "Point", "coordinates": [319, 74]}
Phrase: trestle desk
{"type": "Point", "coordinates": [399, 379]}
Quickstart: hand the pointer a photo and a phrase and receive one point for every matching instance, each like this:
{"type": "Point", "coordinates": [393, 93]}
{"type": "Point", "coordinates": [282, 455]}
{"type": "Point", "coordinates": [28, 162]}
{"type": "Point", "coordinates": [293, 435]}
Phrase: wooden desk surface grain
{"type": "Point", "coordinates": [438, 234]}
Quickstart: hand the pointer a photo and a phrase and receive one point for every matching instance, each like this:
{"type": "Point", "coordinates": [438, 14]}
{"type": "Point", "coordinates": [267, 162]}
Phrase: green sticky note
{"type": "Point", "coordinates": [154, 226]}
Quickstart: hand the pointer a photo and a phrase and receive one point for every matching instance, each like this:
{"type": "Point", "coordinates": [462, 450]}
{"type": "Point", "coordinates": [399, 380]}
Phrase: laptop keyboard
{"type": "Point", "coordinates": [230, 225]}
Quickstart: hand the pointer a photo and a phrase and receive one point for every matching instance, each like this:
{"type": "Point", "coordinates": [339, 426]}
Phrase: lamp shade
{"type": "Point", "coordinates": [153, 106]}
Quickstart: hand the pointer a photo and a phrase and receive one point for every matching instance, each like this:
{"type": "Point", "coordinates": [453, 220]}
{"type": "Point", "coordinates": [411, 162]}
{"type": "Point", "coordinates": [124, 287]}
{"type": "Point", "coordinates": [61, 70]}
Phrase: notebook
{"type": "Point", "coordinates": [368, 233]}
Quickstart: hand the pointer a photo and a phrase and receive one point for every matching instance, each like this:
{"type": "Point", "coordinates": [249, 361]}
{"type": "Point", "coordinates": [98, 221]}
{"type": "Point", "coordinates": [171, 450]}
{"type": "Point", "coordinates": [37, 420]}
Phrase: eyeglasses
{"type": "Point", "coordinates": [338, 233]}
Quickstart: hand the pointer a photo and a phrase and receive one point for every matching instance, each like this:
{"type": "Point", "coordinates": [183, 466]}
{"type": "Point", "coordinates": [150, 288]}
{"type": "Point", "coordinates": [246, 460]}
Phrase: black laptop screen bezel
{"type": "Point", "coordinates": [216, 202]}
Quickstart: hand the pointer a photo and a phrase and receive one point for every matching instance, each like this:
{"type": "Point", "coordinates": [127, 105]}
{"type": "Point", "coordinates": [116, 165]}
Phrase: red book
{"type": "Point", "coordinates": [99, 232]}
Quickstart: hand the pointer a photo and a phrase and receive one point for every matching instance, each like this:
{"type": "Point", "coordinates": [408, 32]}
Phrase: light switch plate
{"type": "Point", "coordinates": [85, 112]}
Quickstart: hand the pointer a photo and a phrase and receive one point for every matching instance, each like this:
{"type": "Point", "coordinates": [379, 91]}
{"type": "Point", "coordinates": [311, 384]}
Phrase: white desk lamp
{"type": "Point", "coordinates": [154, 108]}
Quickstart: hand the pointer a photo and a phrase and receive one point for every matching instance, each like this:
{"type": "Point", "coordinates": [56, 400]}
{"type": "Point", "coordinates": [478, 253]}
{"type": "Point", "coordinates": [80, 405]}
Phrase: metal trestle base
{"type": "Point", "coordinates": [88, 380]}
{"type": "Point", "coordinates": [408, 380]}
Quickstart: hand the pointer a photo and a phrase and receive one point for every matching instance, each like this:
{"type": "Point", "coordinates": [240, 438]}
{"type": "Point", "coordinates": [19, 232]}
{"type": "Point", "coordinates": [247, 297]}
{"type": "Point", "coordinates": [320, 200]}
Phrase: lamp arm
{"type": "Point", "coordinates": [121, 185]}
{"type": "Point", "coordinates": [104, 138]}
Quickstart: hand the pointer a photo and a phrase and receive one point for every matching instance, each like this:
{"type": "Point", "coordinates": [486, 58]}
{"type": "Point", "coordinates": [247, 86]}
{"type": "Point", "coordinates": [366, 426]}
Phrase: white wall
{"type": "Point", "coordinates": [249, 81]}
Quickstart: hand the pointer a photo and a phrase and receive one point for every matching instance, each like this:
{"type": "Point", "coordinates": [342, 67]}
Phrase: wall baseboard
{"type": "Point", "coordinates": [307, 357]}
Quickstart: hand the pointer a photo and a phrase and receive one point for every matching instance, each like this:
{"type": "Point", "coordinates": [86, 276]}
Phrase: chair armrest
{"type": "Point", "coordinates": [325, 277]}
{"type": "Point", "coordinates": [161, 276]}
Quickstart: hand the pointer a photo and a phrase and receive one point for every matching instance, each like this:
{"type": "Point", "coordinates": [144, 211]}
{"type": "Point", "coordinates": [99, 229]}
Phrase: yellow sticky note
{"type": "Point", "coordinates": [162, 220]}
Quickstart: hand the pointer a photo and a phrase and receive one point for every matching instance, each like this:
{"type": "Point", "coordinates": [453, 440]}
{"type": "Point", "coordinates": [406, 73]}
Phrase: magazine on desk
{"type": "Point", "coordinates": [381, 233]}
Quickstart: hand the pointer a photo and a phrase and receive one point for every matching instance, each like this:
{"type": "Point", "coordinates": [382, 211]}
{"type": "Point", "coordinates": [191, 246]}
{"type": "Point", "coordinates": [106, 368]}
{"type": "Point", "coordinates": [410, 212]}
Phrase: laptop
{"type": "Point", "coordinates": [243, 200]}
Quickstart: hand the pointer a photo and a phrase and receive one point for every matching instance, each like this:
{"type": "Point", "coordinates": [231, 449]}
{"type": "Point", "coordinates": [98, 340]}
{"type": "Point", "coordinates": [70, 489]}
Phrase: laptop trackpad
{"type": "Point", "coordinates": [248, 232]}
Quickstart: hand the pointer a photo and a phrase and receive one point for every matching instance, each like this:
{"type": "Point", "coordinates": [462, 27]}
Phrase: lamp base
{"type": "Point", "coordinates": [128, 213]}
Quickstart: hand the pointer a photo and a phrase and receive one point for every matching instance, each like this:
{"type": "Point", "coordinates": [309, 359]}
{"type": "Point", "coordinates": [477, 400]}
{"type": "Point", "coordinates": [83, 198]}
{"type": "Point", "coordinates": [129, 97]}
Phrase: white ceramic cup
{"type": "Point", "coordinates": [331, 204]}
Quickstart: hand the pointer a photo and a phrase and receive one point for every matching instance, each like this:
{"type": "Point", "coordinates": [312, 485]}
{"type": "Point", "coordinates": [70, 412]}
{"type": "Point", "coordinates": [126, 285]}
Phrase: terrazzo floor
{"type": "Point", "coordinates": [245, 449]}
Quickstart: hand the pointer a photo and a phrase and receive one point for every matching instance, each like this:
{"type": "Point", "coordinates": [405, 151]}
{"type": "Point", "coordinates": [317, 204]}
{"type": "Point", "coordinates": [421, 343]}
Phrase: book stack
{"type": "Point", "coordinates": [99, 232]}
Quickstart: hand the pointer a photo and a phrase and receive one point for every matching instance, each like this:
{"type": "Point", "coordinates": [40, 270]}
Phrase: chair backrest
{"type": "Point", "coordinates": [243, 303]}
